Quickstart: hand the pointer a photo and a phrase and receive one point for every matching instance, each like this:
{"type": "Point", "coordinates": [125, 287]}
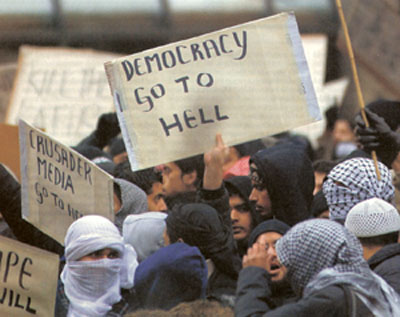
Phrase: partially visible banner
{"type": "Point", "coordinates": [28, 280]}
{"type": "Point", "coordinates": [245, 82]}
{"type": "Point", "coordinates": [7, 75]}
{"type": "Point", "coordinates": [60, 90]}
{"type": "Point", "coordinates": [374, 31]}
{"type": "Point", "coordinates": [59, 185]}
{"type": "Point", "coordinates": [9, 142]}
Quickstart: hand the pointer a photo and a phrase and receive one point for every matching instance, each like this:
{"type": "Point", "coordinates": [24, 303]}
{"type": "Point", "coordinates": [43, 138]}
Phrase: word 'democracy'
{"type": "Point", "coordinates": [28, 280]}
{"type": "Point", "coordinates": [58, 184]}
{"type": "Point", "coordinates": [234, 44]}
{"type": "Point", "coordinates": [241, 81]}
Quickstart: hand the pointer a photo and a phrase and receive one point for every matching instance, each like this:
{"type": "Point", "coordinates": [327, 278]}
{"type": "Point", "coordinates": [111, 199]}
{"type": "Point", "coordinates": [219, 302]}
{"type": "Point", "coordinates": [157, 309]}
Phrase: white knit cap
{"type": "Point", "coordinates": [372, 217]}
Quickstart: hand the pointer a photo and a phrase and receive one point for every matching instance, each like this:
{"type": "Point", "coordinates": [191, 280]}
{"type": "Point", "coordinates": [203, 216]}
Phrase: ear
{"type": "Point", "coordinates": [190, 178]}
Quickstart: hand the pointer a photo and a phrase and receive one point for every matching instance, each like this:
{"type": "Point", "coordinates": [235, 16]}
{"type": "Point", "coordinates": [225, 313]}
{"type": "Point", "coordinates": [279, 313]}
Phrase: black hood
{"type": "Point", "coordinates": [241, 185]}
{"type": "Point", "coordinates": [287, 173]}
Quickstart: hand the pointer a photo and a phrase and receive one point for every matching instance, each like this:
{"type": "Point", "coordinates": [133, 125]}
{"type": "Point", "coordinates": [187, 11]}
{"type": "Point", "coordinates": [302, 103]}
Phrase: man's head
{"type": "Point", "coordinates": [243, 215]}
{"type": "Point", "coordinates": [314, 245]}
{"type": "Point", "coordinates": [259, 194]}
{"type": "Point", "coordinates": [200, 225]}
{"type": "Point", "coordinates": [267, 233]}
{"type": "Point", "coordinates": [375, 223]}
{"type": "Point", "coordinates": [183, 175]}
{"type": "Point", "coordinates": [283, 182]}
{"type": "Point", "coordinates": [353, 181]}
{"type": "Point", "coordinates": [149, 180]}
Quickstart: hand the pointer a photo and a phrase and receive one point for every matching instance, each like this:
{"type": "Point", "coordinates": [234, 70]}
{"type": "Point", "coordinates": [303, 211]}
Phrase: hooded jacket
{"type": "Point", "coordinates": [287, 173]}
{"type": "Point", "coordinates": [386, 263]}
{"type": "Point", "coordinates": [144, 232]}
{"type": "Point", "coordinates": [133, 201]}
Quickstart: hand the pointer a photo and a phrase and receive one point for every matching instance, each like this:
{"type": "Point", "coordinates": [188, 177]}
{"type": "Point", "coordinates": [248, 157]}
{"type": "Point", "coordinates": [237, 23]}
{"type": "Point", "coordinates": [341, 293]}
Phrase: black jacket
{"type": "Point", "coordinates": [287, 172]}
{"type": "Point", "coordinates": [254, 298]}
{"type": "Point", "coordinates": [386, 263]}
{"type": "Point", "coordinates": [10, 207]}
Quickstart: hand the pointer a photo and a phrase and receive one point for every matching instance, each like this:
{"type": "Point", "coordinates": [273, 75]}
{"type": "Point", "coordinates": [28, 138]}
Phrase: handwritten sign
{"type": "Point", "coordinates": [7, 74]}
{"type": "Point", "coordinates": [28, 280]}
{"type": "Point", "coordinates": [245, 82]}
{"type": "Point", "coordinates": [62, 91]}
{"type": "Point", "coordinates": [59, 185]}
{"type": "Point", "coordinates": [9, 140]}
{"type": "Point", "coordinates": [328, 94]}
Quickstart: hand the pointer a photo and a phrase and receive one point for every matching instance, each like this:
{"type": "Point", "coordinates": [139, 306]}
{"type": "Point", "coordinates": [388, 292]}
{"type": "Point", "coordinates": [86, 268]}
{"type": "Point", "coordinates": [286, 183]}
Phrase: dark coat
{"type": "Point", "coordinates": [10, 207]}
{"type": "Point", "coordinates": [287, 173]}
{"type": "Point", "coordinates": [254, 298]}
{"type": "Point", "coordinates": [386, 263]}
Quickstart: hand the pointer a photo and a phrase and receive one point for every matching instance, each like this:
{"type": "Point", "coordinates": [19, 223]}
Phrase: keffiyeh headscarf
{"type": "Point", "coordinates": [319, 253]}
{"type": "Point", "coordinates": [314, 245]}
{"type": "Point", "coordinates": [92, 287]}
{"type": "Point", "coordinates": [353, 181]}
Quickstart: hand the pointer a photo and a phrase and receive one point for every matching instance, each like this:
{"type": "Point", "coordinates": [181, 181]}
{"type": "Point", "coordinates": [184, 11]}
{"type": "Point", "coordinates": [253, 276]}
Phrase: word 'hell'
{"type": "Point", "coordinates": [192, 121]}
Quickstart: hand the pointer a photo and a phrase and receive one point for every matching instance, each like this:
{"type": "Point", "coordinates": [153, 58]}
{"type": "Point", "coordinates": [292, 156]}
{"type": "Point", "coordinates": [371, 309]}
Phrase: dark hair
{"type": "Point", "coordinates": [381, 240]}
{"type": "Point", "coordinates": [117, 191]}
{"type": "Point", "coordinates": [331, 115]}
{"type": "Point", "coordinates": [190, 164]}
{"type": "Point", "coordinates": [323, 166]}
{"type": "Point", "coordinates": [143, 179]}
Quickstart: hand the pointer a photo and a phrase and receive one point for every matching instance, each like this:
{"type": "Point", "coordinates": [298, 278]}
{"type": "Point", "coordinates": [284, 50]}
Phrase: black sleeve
{"type": "Point", "coordinates": [219, 200]}
{"type": "Point", "coordinates": [10, 208]}
{"type": "Point", "coordinates": [253, 292]}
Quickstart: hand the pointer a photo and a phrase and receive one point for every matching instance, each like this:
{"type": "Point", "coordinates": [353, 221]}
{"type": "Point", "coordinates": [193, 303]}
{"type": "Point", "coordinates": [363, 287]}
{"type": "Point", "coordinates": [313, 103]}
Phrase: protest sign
{"type": "Point", "coordinates": [245, 82]}
{"type": "Point", "coordinates": [328, 94]}
{"type": "Point", "coordinates": [60, 90]}
{"type": "Point", "coordinates": [28, 280]}
{"type": "Point", "coordinates": [59, 185]}
{"type": "Point", "coordinates": [7, 74]}
{"type": "Point", "coordinates": [10, 144]}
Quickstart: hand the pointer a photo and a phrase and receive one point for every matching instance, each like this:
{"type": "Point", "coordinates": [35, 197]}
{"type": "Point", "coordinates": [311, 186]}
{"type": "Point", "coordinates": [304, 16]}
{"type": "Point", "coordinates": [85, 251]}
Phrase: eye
{"type": "Point", "coordinates": [242, 208]}
{"type": "Point", "coordinates": [113, 255]}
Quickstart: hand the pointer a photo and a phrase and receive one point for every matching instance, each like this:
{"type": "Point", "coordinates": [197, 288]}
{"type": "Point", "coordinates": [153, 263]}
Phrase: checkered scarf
{"type": "Point", "coordinates": [314, 245]}
{"type": "Point", "coordinates": [359, 182]}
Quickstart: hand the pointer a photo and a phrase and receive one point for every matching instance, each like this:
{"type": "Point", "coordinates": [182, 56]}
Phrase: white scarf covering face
{"type": "Point", "coordinates": [92, 287]}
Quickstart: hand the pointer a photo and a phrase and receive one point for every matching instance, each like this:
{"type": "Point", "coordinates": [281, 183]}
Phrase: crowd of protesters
{"type": "Point", "coordinates": [271, 227]}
